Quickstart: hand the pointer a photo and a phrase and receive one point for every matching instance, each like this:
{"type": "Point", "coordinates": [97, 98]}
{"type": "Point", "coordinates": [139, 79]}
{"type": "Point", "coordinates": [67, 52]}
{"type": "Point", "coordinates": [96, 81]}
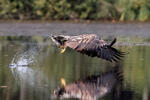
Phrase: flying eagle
{"type": "Point", "coordinates": [89, 44]}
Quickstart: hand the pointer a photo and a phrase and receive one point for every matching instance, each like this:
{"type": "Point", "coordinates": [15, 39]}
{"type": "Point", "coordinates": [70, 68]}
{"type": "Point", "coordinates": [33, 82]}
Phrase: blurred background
{"type": "Point", "coordinates": [31, 66]}
{"type": "Point", "coordinates": [120, 10]}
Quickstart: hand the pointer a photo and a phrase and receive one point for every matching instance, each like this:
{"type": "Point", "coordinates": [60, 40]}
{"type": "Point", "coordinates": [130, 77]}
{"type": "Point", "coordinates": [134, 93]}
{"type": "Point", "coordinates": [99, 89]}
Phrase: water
{"type": "Point", "coordinates": [31, 68]}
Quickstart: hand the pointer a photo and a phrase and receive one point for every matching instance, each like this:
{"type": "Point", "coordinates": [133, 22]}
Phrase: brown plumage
{"type": "Point", "coordinates": [89, 44]}
{"type": "Point", "coordinates": [92, 87]}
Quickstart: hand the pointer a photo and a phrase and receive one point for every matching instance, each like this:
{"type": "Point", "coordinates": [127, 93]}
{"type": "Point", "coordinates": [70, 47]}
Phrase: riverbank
{"type": "Point", "coordinates": [72, 21]}
{"type": "Point", "coordinates": [44, 28]}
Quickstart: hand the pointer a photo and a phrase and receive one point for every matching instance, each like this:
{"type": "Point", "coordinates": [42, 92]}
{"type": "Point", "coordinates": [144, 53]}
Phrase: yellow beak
{"type": "Point", "coordinates": [60, 46]}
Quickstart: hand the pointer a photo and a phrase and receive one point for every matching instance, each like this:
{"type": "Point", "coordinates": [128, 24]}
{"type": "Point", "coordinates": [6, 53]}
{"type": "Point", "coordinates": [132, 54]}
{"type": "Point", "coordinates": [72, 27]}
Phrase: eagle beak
{"type": "Point", "coordinates": [63, 50]}
{"type": "Point", "coordinates": [60, 46]}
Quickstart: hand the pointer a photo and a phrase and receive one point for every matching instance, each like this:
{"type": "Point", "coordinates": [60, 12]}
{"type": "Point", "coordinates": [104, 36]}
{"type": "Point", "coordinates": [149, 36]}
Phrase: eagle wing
{"type": "Point", "coordinates": [96, 48]}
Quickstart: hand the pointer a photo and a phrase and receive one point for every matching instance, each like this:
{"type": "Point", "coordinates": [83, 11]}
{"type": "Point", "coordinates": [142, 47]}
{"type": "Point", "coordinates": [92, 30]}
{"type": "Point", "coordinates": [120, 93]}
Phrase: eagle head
{"type": "Point", "coordinates": [60, 41]}
{"type": "Point", "coordinates": [60, 93]}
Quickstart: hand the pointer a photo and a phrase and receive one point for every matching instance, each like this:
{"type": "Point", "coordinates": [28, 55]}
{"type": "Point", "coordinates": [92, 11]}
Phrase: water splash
{"type": "Point", "coordinates": [25, 58]}
{"type": "Point", "coordinates": [21, 65]}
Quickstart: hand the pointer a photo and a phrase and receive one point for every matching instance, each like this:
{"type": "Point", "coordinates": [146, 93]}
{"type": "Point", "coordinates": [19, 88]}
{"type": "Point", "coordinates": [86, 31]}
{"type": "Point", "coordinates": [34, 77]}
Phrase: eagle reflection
{"type": "Point", "coordinates": [92, 87]}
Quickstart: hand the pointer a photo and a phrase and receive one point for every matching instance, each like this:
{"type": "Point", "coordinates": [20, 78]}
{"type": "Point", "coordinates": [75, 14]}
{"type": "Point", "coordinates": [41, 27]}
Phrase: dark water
{"type": "Point", "coordinates": [31, 68]}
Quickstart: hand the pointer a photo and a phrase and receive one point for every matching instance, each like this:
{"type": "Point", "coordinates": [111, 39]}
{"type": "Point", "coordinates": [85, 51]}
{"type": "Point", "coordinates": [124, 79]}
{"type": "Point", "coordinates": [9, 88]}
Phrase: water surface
{"type": "Point", "coordinates": [31, 68]}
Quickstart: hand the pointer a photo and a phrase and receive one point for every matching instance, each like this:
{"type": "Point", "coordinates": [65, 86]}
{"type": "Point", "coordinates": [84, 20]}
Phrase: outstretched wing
{"type": "Point", "coordinates": [97, 48]}
{"type": "Point", "coordinates": [80, 40]}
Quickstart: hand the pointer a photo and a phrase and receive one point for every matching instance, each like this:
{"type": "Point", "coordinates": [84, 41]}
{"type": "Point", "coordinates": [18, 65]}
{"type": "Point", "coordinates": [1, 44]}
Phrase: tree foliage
{"type": "Point", "coordinates": [76, 9]}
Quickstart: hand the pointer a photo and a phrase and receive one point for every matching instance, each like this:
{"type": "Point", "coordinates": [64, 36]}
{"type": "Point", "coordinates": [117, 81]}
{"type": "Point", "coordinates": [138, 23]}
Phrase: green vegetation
{"type": "Point", "coordinates": [124, 10]}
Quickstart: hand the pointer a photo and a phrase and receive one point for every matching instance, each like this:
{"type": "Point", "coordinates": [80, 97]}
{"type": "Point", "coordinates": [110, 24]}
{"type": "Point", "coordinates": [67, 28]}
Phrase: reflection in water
{"type": "Point", "coordinates": [28, 75]}
{"type": "Point", "coordinates": [92, 87]}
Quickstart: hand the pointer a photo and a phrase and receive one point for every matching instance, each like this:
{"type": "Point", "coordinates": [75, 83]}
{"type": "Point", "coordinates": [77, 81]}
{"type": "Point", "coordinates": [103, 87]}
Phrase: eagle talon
{"type": "Point", "coordinates": [63, 50]}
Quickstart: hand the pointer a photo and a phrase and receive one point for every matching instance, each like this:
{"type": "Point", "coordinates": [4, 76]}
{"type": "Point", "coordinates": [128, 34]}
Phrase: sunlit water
{"type": "Point", "coordinates": [31, 68]}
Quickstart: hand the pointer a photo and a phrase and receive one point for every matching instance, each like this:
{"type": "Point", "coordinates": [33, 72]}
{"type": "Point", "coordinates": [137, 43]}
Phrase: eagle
{"type": "Point", "coordinates": [89, 44]}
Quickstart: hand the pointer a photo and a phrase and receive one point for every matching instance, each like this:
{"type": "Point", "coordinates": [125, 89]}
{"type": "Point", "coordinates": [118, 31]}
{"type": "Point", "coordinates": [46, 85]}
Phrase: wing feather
{"type": "Point", "coordinates": [95, 48]}
{"type": "Point", "coordinates": [92, 46]}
